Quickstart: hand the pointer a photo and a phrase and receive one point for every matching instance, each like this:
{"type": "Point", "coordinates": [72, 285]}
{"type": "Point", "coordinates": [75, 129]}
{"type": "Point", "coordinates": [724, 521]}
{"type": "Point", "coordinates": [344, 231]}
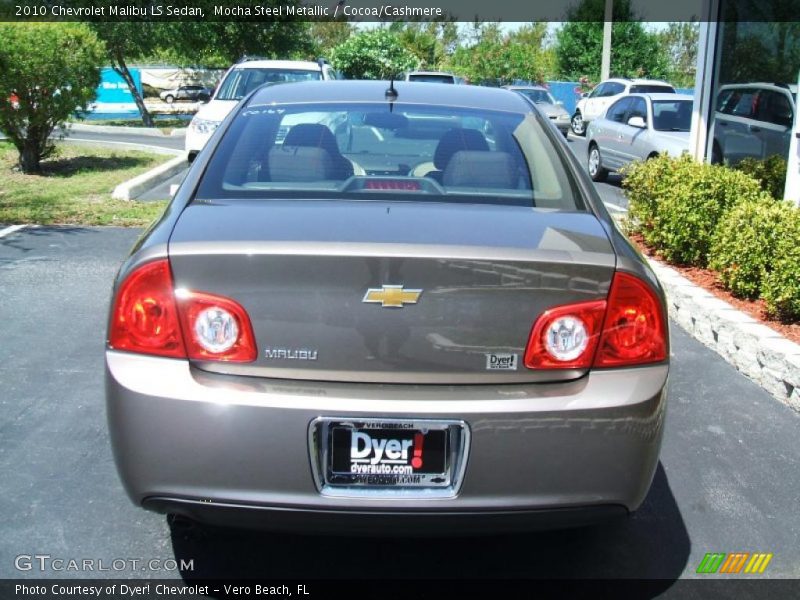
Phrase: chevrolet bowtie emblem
{"type": "Point", "coordinates": [391, 296]}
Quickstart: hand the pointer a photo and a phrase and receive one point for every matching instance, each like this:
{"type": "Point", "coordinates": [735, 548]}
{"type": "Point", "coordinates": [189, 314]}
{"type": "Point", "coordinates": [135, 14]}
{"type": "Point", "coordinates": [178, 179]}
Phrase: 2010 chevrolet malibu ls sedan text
{"type": "Point", "coordinates": [376, 306]}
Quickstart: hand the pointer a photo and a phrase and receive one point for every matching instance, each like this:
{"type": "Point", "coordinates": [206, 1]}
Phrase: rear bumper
{"type": "Point", "coordinates": [235, 450]}
{"type": "Point", "coordinates": [406, 523]}
{"type": "Point", "coordinates": [563, 126]}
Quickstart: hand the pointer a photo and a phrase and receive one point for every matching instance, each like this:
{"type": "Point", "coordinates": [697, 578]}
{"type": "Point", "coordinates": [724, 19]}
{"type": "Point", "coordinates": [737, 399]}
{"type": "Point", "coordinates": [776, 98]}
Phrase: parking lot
{"type": "Point", "coordinates": [726, 482]}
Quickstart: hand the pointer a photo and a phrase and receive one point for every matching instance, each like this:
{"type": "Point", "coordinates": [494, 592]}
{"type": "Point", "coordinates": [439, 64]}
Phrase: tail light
{"type": "Point", "coordinates": [150, 317]}
{"type": "Point", "coordinates": [628, 329]}
{"type": "Point", "coordinates": [565, 337]}
{"type": "Point", "coordinates": [215, 328]}
{"type": "Point", "coordinates": [145, 317]}
{"type": "Point", "coordinates": [634, 331]}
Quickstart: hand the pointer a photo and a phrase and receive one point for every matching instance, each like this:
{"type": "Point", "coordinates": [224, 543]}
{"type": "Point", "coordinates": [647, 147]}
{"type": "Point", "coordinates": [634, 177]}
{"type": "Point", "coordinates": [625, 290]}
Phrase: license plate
{"type": "Point", "coordinates": [390, 454]}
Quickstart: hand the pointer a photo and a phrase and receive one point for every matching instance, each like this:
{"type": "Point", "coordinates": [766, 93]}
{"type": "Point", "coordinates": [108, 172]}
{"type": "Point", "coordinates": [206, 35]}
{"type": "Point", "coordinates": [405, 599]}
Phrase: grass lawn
{"type": "Point", "coordinates": [75, 187]}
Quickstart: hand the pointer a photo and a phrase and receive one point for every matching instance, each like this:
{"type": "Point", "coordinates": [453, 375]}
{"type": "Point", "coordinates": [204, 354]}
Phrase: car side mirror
{"type": "Point", "coordinates": [203, 97]}
{"type": "Point", "coordinates": [585, 95]}
{"type": "Point", "coordinates": [637, 122]}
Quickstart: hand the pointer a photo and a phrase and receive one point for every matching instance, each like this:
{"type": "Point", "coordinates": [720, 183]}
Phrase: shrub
{"type": "Point", "coordinates": [770, 173]}
{"type": "Point", "coordinates": [678, 203]}
{"type": "Point", "coordinates": [744, 245]}
{"type": "Point", "coordinates": [645, 184]}
{"type": "Point", "coordinates": [374, 54]}
{"type": "Point", "coordinates": [48, 70]}
{"type": "Point", "coordinates": [782, 282]}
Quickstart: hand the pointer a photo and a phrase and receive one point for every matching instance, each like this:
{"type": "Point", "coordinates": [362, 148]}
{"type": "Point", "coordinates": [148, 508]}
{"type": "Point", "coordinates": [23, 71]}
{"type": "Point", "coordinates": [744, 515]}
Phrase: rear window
{"type": "Point", "coordinates": [739, 102]}
{"type": "Point", "coordinates": [672, 115]}
{"type": "Point", "coordinates": [242, 81]}
{"type": "Point", "coordinates": [432, 78]}
{"type": "Point", "coordinates": [381, 151]}
{"type": "Point", "coordinates": [538, 96]}
{"type": "Point", "coordinates": [652, 89]}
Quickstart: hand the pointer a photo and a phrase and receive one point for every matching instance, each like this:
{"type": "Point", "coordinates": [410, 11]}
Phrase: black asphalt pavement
{"type": "Point", "coordinates": [610, 191]}
{"type": "Point", "coordinates": [728, 479]}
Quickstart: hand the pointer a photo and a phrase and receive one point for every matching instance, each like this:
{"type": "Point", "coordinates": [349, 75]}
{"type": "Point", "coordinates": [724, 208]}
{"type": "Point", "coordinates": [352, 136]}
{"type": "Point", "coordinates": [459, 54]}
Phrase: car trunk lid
{"type": "Point", "coordinates": [317, 277]}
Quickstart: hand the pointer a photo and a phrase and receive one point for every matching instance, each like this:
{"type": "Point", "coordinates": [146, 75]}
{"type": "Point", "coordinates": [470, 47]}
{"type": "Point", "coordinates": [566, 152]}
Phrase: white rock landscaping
{"type": "Point", "coordinates": [762, 354]}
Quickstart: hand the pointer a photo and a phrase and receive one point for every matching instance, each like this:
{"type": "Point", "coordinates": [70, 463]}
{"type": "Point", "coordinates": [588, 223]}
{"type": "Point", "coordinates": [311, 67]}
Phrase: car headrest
{"type": "Point", "coordinates": [300, 163]}
{"type": "Point", "coordinates": [455, 140]}
{"type": "Point", "coordinates": [481, 169]}
{"type": "Point", "coordinates": [310, 134]}
{"type": "Point", "coordinates": [318, 136]}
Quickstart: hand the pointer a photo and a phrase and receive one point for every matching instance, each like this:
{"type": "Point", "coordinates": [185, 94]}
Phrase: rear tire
{"type": "Point", "coordinates": [596, 170]}
{"type": "Point", "coordinates": [169, 99]}
{"type": "Point", "coordinates": [577, 124]}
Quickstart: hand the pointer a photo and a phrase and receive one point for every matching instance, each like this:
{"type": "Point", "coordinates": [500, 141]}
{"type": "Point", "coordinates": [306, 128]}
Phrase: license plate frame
{"type": "Point", "coordinates": [440, 473]}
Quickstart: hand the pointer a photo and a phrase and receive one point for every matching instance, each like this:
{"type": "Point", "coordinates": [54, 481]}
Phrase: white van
{"type": "Point", "coordinates": [241, 79]}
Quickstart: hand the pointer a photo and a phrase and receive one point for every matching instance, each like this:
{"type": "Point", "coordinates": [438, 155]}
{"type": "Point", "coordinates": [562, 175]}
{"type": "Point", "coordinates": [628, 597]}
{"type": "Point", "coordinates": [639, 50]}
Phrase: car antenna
{"type": "Point", "coordinates": [391, 93]}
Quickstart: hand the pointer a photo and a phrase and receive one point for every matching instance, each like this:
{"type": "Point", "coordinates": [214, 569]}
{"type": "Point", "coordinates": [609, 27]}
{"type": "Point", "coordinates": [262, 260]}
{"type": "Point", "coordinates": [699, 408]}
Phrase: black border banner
{"type": "Point", "coordinates": [575, 589]}
{"type": "Point", "coordinates": [393, 10]}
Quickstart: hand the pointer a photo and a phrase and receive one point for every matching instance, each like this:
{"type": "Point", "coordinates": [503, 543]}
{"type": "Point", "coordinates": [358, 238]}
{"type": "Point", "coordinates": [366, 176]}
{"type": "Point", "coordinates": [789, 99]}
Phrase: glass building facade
{"type": "Point", "coordinates": [746, 96]}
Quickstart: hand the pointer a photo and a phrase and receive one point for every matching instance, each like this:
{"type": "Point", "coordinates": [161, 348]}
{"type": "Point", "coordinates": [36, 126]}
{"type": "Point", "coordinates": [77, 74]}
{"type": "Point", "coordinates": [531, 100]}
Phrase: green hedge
{"type": "Point", "coordinates": [770, 173]}
{"type": "Point", "coordinates": [676, 204]}
{"type": "Point", "coordinates": [782, 282]}
{"type": "Point", "coordinates": [744, 245]}
{"type": "Point", "coordinates": [704, 215]}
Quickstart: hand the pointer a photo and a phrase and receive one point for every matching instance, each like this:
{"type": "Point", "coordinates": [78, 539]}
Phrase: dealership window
{"type": "Point", "coordinates": [754, 84]}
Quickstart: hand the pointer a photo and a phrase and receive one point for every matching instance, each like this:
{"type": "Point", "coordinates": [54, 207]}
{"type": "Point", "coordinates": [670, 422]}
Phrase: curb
{"type": "Point", "coordinates": [126, 146]}
{"type": "Point", "coordinates": [135, 187]}
{"type": "Point", "coordinates": [145, 131]}
{"type": "Point", "coordinates": [763, 355]}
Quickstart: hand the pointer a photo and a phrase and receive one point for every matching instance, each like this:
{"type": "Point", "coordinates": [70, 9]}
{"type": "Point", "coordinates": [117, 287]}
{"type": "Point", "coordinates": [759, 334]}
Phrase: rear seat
{"type": "Point", "coordinates": [468, 168]}
{"type": "Point", "coordinates": [300, 163]}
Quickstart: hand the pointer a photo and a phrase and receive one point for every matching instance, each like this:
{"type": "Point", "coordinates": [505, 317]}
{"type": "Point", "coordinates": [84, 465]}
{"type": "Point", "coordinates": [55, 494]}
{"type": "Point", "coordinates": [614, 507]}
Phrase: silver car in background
{"type": "Point", "coordinates": [544, 101]}
{"type": "Point", "coordinates": [418, 318]}
{"type": "Point", "coordinates": [638, 127]}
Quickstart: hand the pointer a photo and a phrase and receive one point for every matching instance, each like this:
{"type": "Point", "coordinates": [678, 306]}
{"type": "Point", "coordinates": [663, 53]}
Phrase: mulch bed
{"type": "Point", "coordinates": [709, 280]}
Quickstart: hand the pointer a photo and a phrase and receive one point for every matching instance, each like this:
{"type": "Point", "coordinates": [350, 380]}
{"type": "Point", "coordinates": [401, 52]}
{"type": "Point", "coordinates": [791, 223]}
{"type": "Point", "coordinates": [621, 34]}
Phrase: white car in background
{"type": "Point", "coordinates": [241, 79]}
{"type": "Point", "coordinates": [638, 127]}
{"type": "Point", "coordinates": [593, 105]}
